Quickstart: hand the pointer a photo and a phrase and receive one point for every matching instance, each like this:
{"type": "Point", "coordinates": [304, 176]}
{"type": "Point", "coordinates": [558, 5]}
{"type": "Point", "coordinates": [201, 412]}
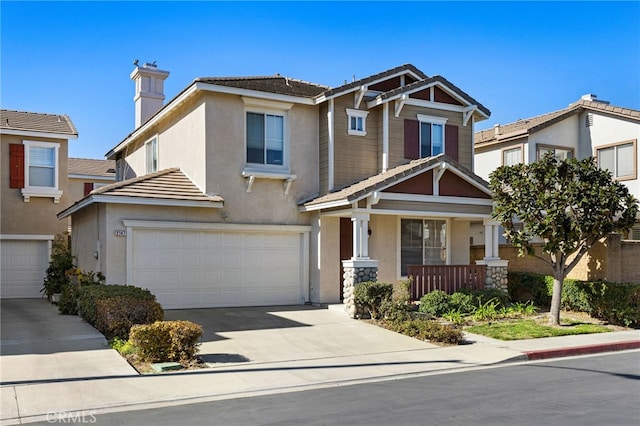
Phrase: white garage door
{"type": "Point", "coordinates": [200, 269]}
{"type": "Point", "coordinates": [22, 267]}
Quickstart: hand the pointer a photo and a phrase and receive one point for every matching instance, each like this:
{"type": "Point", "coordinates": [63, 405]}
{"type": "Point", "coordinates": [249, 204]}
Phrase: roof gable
{"type": "Point", "coordinates": [405, 178]}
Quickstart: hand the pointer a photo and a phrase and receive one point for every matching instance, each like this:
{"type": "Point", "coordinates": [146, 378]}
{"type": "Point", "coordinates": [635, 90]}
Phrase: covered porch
{"type": "Point", "coordinates": [412, 221]}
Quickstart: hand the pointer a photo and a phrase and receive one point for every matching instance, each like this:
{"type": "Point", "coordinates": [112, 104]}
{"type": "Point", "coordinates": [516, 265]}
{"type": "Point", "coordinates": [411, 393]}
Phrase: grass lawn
{"type": "Point", "coordinates": [531, 329]}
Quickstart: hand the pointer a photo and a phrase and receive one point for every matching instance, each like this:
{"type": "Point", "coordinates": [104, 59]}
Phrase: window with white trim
{"type": "Point", "coordinates": [357, 122]}
{"type": "Point", "coordinates": [619, 159]}
{"type": "Point", "coordinates": [560, 154]}
{"type": "Point", "coordinates": [151, 150]}
{"type": "Point", "coordinates": [422, 242]}
{"type": "Point", "coordinates": [512, 156]}
{"type": "Point", "coordinates": [265, 138]}
{"type": "Point", "coordinates": [431, 135]}
{"type": "Point", "coordinates": [41, 170]}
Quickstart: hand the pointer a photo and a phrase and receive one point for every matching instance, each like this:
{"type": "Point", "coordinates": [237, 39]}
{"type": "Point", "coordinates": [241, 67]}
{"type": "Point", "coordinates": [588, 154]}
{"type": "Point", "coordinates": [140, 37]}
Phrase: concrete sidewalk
{"type": "Point", "coordinates": [275, 367]}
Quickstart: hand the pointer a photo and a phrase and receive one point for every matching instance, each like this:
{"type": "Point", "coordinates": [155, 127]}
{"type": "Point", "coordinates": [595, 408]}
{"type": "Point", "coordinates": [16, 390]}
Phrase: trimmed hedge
{"type": "Point", "coordinates": [88, 298]}
{"type": "Point", "coordinates": [116, 315]}
{"type": "Point", "coordinates": [68, 304]}
{"type": "Point", "coordinates": [166, 341]}
{"type": "Point", "coordinates": [617, 303]}
{"type": "Point", "coordinates": [371, 294]}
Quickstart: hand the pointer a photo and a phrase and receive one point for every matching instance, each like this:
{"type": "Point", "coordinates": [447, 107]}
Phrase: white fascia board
{"type": "Point", "coordinates": [137, 201]}
{"type": "Point", "coordinates": [328, 205]}
{"type": "Point", "coordinates": [425, 214]}
{"type": "Point", "coordinates": [27, 133]}
{"type": "Point", "coordinates": [163, 112]}
{"type": "Point", "coordinates": [356, 88]}
{"type": "Point", "coordinates": [254, 93]}
{"type": "Point", "coordinates": [208, 226]}
{"type": "Point", "coordinates": [440, 199]}
{"type": "Point", "coordinates": [24, 237]}
{"type": "Point", "coordinates": [96, 177]}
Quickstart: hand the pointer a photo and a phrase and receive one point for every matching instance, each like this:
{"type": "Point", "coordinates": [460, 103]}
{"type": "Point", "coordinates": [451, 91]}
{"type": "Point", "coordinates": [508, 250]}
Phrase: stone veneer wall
{"type": "Point", "coordinates": [496, 277]}
{"type": "Point", "coordinates": [354, 274]}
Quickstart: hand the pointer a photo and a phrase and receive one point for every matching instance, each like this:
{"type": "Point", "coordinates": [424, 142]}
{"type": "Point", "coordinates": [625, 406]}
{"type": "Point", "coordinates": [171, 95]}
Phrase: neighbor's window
{"type": "Point", "coordinates": [152, 155]}
{"type": "Point", "coordinates": [357, 122]}
{"type": "Point", "coordinates": [265, 138]}
{"type": "Point", "coordinates": [422, 242]}
{"type": "Point", "coordinates": [560, 153]}
{"type": "Point", "coordinates": [619, 159]}
{"type": "Point", "coordinates": [512, 156]}
{"type": "Point", "coordinates": [431, 135]}
{"type": "Point", "coordinates": [41, 160]}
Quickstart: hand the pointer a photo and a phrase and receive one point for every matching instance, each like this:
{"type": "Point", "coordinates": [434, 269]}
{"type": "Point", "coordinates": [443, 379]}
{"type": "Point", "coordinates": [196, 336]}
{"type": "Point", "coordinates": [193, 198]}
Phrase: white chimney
{"type": "Point", "coordinates": [593, 98]}
{"type": "Point", "coordinates": [149, 96]}
{"type": "Point", "coordinates": [496, 129]}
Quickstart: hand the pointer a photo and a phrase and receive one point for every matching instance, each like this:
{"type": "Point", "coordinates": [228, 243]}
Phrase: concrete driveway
{"type": "Point", "coordinates": [38, 344]}
{"type": "Point", "coordinates": [289, 333]}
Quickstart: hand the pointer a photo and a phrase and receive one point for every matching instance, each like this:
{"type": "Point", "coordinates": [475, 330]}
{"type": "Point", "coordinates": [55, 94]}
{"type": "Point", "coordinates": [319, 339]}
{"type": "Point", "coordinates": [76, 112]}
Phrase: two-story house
{"type": "Point", "coordinates": [34, 181]}
{"type": "Point", "coordinates": [587, 127]}
{"type": "Point", "coordinates": [270, 190]}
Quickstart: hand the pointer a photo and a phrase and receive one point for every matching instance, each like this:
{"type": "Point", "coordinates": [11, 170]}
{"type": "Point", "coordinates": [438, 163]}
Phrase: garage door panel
{"type": "Point", "coordinates": [23, 265]}
{"type": "Point", "coordinates": [218, 268]}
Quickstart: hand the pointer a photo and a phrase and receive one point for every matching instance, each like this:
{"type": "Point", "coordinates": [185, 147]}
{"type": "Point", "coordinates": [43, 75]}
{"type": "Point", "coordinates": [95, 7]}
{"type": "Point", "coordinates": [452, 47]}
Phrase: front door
{"type": "Point", "coordinates": [346, 246]}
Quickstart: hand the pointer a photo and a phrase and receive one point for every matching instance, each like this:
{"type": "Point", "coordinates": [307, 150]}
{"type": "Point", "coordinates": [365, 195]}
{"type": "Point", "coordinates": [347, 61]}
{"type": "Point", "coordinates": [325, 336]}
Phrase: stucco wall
{"type": "Point", "coordinates": [328, 288]}
{"type": "Point", "coordinates": [561, 134]}
{"type": "Point", "coordinates": [38, 216]}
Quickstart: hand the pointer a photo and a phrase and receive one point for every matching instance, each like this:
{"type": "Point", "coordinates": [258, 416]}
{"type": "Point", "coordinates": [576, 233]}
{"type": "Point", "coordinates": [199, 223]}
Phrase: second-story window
{"type": "Point", "coordinates": [558, 152]}
{"type": "Point", "coordinates": [151, 148]}
{"type": "Point", "coordinates": [619, 159]}
{"type": "Point", "coordinates": [265, 138]}
{"type": "Point", "coordinates": [357, 122]}
{"type": "Point", "coordinates": [431, 135]}
{"type": "Point", "coordinates": [512, 156]}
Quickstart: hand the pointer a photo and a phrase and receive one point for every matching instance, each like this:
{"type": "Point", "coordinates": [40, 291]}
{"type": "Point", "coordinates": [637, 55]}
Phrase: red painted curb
{"type": "Point", "coordinates": [582, 350]}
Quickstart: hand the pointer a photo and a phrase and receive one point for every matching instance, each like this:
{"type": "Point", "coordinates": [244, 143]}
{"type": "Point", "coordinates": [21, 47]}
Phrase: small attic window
{"type": "Point", "coordinates": [588, 120]}
{"type": "Point", "coordinates": [357, 122]}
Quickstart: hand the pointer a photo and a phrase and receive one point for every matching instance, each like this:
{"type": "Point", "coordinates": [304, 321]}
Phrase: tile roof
{"type": "Point", "coordinates": [169, 184]}
{"type": "Point", "coordinates": [523, 127]}
{"type": "Point", "coordinates": [378, 76]}
{"type": "Point", "coordinates": [91, 167]}
{"type": "Point", "coordinates": [36, 122]}
{"type": "Point", "coordinates": [273, 84]}
{"type": "Point", "coordinates": [386, 179]}
{"type": "Point", "coordinates": [436, 78]}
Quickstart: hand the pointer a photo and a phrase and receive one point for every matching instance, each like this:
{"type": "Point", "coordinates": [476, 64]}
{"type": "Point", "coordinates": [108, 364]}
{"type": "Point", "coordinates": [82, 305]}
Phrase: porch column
{"type": "Point", "coordinates": [355, 272]}
{"type": "Point", "coordinates": [496, 268]}
{"type": "Point", "coordinates": [360, 223]}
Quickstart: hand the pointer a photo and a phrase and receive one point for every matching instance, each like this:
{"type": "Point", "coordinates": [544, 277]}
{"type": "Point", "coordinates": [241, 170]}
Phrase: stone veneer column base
{"type": "Point", "coordinates": [356, 271]}
{"type": "Point", "coordinates": [496, 274]}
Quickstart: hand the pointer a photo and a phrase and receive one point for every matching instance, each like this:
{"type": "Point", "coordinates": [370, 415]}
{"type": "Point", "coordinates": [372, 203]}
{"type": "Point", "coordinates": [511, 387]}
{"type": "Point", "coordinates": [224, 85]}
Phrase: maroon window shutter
{"type": "Point", "coordinates": [88, 187]}
{"type": "Point", "coordinates": [451, 141]}
{"type": "Point", "coordinates": [411, 139]}
{"type": "Point", "coordinates": [16, 164]}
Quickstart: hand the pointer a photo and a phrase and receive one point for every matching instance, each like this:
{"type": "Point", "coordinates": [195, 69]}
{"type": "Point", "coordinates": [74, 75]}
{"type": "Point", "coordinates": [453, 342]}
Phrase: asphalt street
{"type": "Point", "coordinates": [588, 390]}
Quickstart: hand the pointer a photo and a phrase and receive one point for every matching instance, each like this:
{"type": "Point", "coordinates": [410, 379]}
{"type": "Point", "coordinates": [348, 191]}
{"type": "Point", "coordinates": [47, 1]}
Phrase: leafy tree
{"type": "Point", "coordinates": [570, 204]}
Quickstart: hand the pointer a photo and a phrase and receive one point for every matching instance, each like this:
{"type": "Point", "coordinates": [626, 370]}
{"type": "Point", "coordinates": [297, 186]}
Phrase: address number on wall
{"type": "Point", "coordinates": [120, 232]}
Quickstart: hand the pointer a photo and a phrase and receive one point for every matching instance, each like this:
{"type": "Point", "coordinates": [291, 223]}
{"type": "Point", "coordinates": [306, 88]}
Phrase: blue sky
{"type": "Point", "coordinates": [518, 59]}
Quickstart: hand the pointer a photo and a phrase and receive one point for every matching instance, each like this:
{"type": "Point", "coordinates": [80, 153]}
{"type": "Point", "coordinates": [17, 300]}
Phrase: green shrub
{"type": "Point", "coordinates": [68, 304]}
{"type": "Point", "coordinates": [574, 296]}
{"type": "Point", "coordinates": [424, 329]}
{"type": "Point", "coordinates": [371, 294]}
{"type": "Point", "coordinates": [463, 302]}
{"type": "Point", "coordinates": [614, 302]}
{"type": "Point", "coordinates": [88, 297]}
{"type": "Point", "coordinates": [165, 341]}
{"type": "Point", "coordinates": [395, 309]}
{"type": "Point", "coordinates": [496, 295]}
{"type": "Point", "coordinates": [435, 303]}
{"type": "Point", "coordinates": [115, 315]}
{"type": "Point", "coordinates": [124, 347]}
{"type": "Point", "coordinates": [61, 261]}
{"type": "Point", "coordinates": [524, 287]}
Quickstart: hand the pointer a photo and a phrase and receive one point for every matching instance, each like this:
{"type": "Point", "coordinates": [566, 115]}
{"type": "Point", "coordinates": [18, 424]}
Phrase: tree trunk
{"type": "Point", "coordinates": [556, 298]}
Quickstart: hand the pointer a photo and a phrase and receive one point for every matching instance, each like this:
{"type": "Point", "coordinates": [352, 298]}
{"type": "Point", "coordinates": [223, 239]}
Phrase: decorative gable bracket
{"type": "Point", "coordinates": [252, 175]}
{"type": "Point", "coordinates": [358, 96]}
{"type": "Point", "coordinates": [399, 104]}
{"type": "Point", "coordinates": [467, 113]}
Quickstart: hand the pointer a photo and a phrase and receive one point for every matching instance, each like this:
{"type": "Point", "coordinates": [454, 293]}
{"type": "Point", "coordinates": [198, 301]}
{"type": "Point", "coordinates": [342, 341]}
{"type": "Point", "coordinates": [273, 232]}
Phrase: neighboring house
{"type": "Point", "coordinates": [33, 160]}
{"type": "Point", "coordinates": [87, 174]}
{"type": "Point", "coordinates": [269, 190]}
{"type": "Point", "coordinates": [587, 127]}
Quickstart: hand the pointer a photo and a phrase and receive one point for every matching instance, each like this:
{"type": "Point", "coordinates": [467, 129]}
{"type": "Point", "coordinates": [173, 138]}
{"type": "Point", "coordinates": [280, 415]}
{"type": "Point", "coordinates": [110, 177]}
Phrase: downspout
{"type": "Point", "coordinates": [331, 141]}
{"type": "Point", "coordinates": [385, 137]}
